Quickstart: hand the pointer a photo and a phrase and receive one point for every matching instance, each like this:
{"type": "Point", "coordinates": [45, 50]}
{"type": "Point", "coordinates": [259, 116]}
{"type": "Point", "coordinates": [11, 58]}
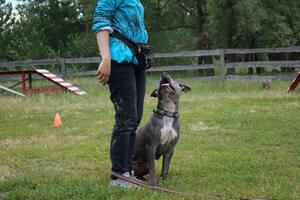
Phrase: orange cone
{"type": "Point", "coordinates": [57, 121]}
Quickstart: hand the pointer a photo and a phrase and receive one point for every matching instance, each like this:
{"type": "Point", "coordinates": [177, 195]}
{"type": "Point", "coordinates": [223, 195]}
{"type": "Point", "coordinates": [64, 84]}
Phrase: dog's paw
{"type": "Point", "coordinates": [152, 182]}
{"type": "Point", "coordinates": [141, 178]}
{"type": "Point", "coordinates": [164, 177]}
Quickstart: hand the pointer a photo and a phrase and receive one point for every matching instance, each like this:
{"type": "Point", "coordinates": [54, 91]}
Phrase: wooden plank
{"type": "Point", "coordinates": [29, 63]}
{"type": "Point", "coordinates": [263, 50]}
{"type": "Point", "coordinates": [79, 74]}
{"type": "Point", "coordinates": [294, 83]}
{"type": "Point", "coordinates": [97, 59]}
{"type": "Point", "coordinates": [10, 72]}
{"type": "Point", "coordinates": [58, 81]}
{"type": "Point", "coordinates": [292, 64]}
{"type": "Point", "coordinates": [62, 67]}
{"type": "Point", "coordinates": [190, 79]}
{"type": "Point", "coordinates": [82, 60]}
{"type": "Point", "coordinates": [222, 65]}
{"type": "Point", "coordinates": [154, 69]}
{"type": "Point", "coordinates": [258, 78]}
{"type": "Point", "coordinates": [250, 78]}
{"type": "Point", "coordinates": [11, 91]}
{"type": "Point", "coordinates": [184, 54]}
{"type": "Point", "coordinates": [182, 68]}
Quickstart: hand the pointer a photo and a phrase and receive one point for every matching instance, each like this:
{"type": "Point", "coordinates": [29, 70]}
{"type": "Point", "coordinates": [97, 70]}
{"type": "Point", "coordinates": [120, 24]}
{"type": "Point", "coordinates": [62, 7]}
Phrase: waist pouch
{"type": "Point", "coordinates": [142, 51]}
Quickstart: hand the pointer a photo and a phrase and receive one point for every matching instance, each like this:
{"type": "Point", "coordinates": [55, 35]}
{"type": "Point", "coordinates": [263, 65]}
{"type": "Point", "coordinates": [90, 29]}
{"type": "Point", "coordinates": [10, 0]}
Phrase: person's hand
{"type": "Point", "coordinates": [103, 71]}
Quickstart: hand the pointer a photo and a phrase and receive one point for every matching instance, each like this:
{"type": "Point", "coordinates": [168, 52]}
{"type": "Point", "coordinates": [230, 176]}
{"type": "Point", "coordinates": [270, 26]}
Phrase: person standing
{"type": "Point", "coordinates": [119, 69]}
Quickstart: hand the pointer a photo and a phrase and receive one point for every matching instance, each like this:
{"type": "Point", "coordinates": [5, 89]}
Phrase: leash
{"type": "Point", "coordinates": [142, 184]}
{"type": "Point", "coordinates": [212, 196]}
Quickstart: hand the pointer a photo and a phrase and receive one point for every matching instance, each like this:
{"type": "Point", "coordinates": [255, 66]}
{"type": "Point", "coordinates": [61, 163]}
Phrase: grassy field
{"type": "Point", "coordinates": [236, 141]}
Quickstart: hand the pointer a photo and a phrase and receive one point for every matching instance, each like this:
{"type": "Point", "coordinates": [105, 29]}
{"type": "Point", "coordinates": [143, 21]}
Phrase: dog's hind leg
{"type": "Point", "coordinates": [140, 169]}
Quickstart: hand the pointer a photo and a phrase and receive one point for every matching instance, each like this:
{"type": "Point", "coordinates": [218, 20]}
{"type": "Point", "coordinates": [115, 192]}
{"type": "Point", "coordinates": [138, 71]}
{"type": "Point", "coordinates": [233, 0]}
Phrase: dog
{"type": "Point", "coordinates": [160, 134]}
{"type": "Point", "coordinates": [267, 85]}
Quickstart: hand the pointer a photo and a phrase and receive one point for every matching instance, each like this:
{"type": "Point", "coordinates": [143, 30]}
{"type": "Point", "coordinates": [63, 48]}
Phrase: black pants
{"type": "Point", "coordinates": [127, 88]}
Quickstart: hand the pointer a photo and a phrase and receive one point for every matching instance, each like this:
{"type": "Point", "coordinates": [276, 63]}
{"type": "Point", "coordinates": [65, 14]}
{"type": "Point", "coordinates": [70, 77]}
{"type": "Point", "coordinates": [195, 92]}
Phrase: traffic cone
{"type": "Point", "coordinates": [57, 121]}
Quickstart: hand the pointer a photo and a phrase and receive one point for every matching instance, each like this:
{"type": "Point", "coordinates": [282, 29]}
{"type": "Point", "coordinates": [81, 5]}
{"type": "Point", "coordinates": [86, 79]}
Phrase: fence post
{"type": "Point", "coordinates": [61, 62]}
{"type": "Point", "coordinates": [222, 65]}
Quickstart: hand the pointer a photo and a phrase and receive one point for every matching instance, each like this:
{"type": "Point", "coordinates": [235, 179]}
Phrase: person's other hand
{"type": "Point", "coordinates": [103, 71]}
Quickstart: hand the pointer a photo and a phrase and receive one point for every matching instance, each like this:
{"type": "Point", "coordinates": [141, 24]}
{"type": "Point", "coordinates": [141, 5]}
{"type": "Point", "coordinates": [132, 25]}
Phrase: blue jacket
{"type": "Point", "coordinates": [126, 16]}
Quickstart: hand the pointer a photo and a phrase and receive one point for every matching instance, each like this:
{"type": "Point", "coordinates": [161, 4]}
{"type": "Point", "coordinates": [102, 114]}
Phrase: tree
{"type": "Point", "coordinates": [45, 28]}
{"type": "Point", "coordinates": [50, 28]}
{"type": "Point", "coordinates": [6, 21]}
{"type": "Point", "coordinates": [248, 27]}
{"type": "Point", "coordinates": [197, 10]}
{"type": "Point", "coordinates": [279, 28]}
{"type": "Point", "coordinates": [85, 38]}
{"type": "Point", "coordinates": [60, 19]}
{"type": "Point", "coordinates": [222, 24]}
{"type": "Point", "coordinates": [169, 27]}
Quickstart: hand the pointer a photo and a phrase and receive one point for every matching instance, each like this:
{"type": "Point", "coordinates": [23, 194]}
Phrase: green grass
{"type": "Point", "coordinates": [236, 141]}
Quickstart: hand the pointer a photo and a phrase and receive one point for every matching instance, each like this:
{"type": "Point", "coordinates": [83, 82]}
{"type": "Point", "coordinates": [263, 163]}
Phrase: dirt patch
{"type": "Point", "coordinates": [42, 139]}
{"type": "Point", "coordinates": [200, 126]}
{"type": "Point", "coordinates": [76, 137]}
{"type": "Point", "coordinates": [32, 140]}
{"type": "Point", "coordinates": [2, 194]}
{"type": "Point", "coordinates": [5, 173]}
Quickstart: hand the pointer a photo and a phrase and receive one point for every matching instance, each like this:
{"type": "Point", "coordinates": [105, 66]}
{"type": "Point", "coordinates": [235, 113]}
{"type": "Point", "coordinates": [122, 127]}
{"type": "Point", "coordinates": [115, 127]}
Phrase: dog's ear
{"type": "Point", "coordinates": [154, 93]}
{"type": "Point", "coordinates": [185, 88]}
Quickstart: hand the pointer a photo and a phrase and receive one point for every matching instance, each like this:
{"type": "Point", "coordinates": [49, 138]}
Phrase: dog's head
{"type": "Point", "coordinates": [169, 90]}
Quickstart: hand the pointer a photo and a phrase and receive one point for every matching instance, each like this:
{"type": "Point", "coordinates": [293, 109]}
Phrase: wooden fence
{"type": "Point", "coordinates": [220, 53]}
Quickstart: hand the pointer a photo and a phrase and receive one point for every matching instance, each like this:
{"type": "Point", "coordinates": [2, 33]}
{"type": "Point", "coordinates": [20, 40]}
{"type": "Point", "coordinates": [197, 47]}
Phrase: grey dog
{"type": "Point", "coordinates": [160, 134]}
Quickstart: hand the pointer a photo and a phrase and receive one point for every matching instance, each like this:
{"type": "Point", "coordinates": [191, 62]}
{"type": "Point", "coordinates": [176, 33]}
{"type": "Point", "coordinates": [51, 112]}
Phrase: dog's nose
{"type": "Point", "coordinates": [165, 74]}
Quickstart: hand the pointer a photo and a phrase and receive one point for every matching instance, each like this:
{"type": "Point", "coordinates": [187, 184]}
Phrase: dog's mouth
{"type": "Point", "coordinates": [168, 86]}
{"type": "Point", "coordinates": [166, 82]}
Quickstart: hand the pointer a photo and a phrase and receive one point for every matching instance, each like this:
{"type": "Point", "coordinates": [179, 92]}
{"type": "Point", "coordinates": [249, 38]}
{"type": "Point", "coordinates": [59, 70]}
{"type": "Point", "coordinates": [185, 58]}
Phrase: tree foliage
{"type": "Point", "coordinates": [6, 22]}
{"type": "Point", "coordinates": [50, 28]}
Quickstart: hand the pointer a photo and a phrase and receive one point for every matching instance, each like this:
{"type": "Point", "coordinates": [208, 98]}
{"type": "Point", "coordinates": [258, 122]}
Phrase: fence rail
{"type": "Point", "coordinates": [221, 53]}
{"type": "Point", "coordinates": [286, 64]}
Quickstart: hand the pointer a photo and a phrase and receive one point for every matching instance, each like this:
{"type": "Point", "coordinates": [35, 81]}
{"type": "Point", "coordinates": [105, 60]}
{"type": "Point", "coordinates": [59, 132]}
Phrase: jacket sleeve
{"type": "Point", "coordinates": [104, 14]}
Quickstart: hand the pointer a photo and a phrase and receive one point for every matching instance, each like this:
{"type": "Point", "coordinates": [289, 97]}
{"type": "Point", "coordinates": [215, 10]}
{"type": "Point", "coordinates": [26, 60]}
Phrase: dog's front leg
{"type": "Point", "coordinates": [166, 163]}
{"type": "Point", "coordinates": [151, 164]}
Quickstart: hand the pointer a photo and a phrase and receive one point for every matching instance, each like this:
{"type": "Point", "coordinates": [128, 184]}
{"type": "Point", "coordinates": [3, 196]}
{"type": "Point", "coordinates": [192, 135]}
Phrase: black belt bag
{"type": "Point", "coordinates": [143, 52]}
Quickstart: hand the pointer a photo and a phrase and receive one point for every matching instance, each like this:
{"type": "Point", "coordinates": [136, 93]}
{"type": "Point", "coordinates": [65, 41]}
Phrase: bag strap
{"type": "Point", "coordinates": [132, 45]}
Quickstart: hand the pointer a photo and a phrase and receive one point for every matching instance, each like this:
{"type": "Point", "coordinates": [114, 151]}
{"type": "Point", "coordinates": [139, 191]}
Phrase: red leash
{"type": "Point", "coordinates": [142, 184]}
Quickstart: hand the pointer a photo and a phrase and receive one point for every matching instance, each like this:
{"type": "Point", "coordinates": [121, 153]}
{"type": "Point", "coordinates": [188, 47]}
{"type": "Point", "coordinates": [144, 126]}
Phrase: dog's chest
{"type": "Point", "coordinates": [168, 133]}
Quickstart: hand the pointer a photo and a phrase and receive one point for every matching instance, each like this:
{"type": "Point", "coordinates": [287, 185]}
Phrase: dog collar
{"type": "Point", "coordinates": [166, 113]}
